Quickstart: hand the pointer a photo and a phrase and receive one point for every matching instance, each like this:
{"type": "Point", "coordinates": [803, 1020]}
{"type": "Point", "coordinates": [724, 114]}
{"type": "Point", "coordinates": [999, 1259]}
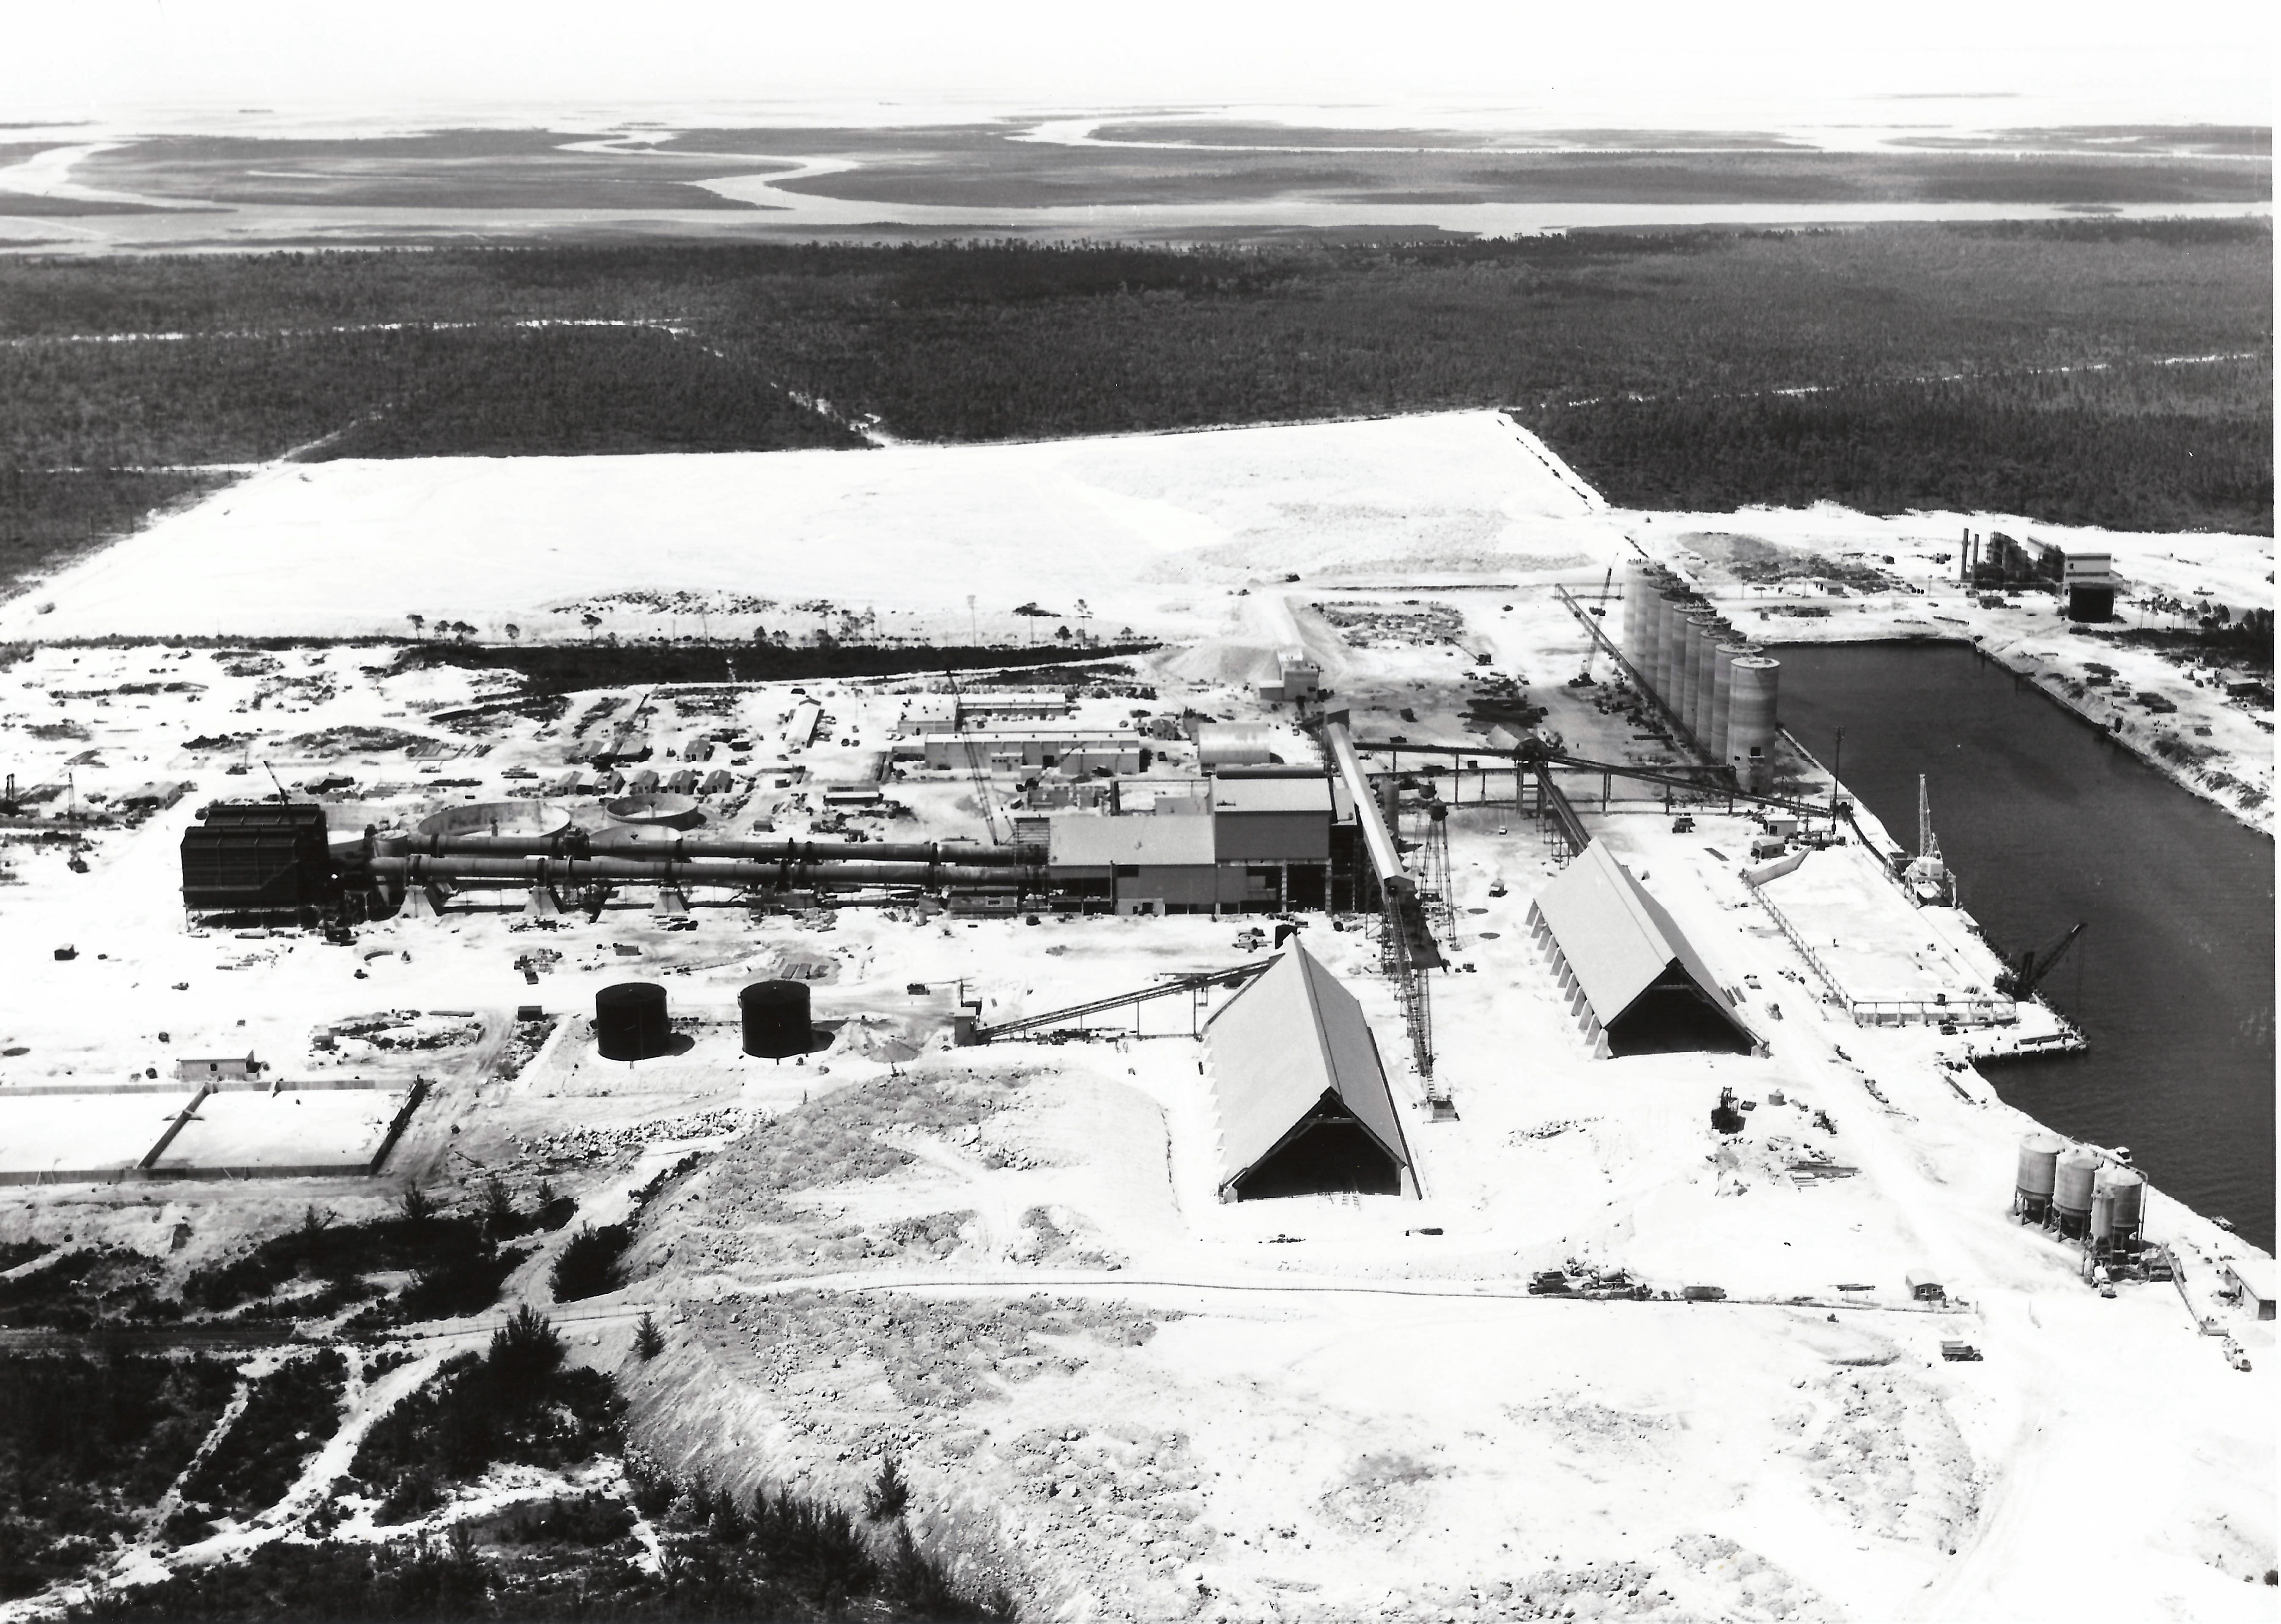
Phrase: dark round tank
{"type": "Point", "coordinates": [629, 1021]}
{"type": "Point", "coordinates": [775, 1018]}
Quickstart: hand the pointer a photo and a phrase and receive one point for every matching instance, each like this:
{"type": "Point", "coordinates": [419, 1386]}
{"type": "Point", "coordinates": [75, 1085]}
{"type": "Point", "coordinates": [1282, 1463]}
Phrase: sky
{"type": "Point", "coordinates": [1649, 62]}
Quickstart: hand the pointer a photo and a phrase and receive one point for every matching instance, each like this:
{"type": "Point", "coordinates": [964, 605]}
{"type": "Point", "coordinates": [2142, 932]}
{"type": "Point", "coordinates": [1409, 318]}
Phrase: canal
{"type": "Point", "coordinates": [2045, 822]}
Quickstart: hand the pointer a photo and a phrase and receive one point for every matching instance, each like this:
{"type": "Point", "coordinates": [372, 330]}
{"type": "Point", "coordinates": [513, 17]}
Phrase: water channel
{"type": "Point", "coordinates": [2046, 822]}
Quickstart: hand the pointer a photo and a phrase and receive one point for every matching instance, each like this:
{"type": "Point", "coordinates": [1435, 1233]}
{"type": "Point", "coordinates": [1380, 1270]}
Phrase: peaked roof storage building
{"type": "Point", "coordinates": [1634, 983]}
{"type": "Point", "coordinates": [1303, 1100]}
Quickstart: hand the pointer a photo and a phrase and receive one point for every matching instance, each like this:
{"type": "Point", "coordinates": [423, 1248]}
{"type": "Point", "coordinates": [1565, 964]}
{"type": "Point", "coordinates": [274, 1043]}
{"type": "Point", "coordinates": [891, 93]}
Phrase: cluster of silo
{"type": "Point", "coordinates": [1720, 692]}
{"type": "Point", "coordinates": [2098, 1201]}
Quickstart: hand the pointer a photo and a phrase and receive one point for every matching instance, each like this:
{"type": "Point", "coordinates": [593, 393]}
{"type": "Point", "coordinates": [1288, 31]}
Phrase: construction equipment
{"type": "Point", "coordinates": [2026, 973]}
{"type": "Point", "coordinates": [1436, 888]}
{"type": "Point", "coordinates": [1928, 874]}
{"type": "Point", "coordinates": [1592, 645]}
{"type": "Point", "coordinates": [979, 774]}
{"type": "Point", "coordinates": [1196, 984]}
{"type": "Point", "coordinates": [272, 771]}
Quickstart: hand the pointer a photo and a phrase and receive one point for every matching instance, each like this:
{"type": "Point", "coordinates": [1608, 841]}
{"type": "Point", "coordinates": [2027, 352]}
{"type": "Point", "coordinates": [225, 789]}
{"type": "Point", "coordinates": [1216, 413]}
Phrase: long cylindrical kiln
{"type": "Point", "coordinates": [775, 1018]}
{"type": "Point", "coordinates": [1750, 719]}
{"type": "Point", "coordinates": [630, 1021]}
{"type": "Point", "coordinates": [647, 843]}
{"type": "Point", "coordinates": [666, 871]}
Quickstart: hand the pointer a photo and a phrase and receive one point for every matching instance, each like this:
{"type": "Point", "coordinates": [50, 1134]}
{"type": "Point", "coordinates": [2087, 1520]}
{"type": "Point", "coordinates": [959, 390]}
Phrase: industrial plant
{"type": "Point", "coordinates": [1201, 1110]}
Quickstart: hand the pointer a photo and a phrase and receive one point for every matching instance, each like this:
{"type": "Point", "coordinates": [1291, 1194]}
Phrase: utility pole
{"type": "Point", "coordinates": [1836, 766]}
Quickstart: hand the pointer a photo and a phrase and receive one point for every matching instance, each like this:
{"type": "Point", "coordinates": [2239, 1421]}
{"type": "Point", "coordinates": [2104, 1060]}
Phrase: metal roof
{"type": "Point", "coordinates": [1277, 1046]}
{"type": "Point", "coordinates": [1618, 939]}
{"type": "Point", "coordinates": [1294, 794]}
{"type": "Point", "coordinates": [1084, 839]}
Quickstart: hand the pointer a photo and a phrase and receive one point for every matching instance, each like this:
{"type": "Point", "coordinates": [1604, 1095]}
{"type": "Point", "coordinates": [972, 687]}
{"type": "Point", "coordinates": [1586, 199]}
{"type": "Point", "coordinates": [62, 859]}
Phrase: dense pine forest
{"type": "Point", "coordinates": [2104, 372]}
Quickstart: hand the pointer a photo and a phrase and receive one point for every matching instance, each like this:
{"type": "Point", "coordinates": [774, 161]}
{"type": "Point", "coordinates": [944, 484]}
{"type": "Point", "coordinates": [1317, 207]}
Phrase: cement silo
{"type": "Point", "coordinates": [1698, 678]}
{"type": "Point", "coordinates": [1722, 693]}
{"type": "Point", "coordinates": [1706, 675]}
{"type": "Point", "coordinates": [2031, 1191]}
{"type": "Point", "coordinates": [1634, 609]}
{"type": "Point", "coordinates": [1750, 720]}
{"type": "Point", "coordinates": [2072, 1176]}
{"type": "Point", "coordinates": [1683, 665]}
{"type": "Point", "coordinates": [1671, 640]}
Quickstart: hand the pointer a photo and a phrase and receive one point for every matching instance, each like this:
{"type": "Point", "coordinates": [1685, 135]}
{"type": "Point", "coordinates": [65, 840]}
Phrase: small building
{"type": "Point", "coordinates": [1232, 744]}
{"type": "Point", "coordinates": [1923, 1288]}
{"type": "Point", "coordinates": [2249, 1283]}
{"type": "Point", "coordinates": [800, 726]}
{"type": "Point", "coordinates": [1634, 983]}
{"type": "Point", "coordinates": [1297, 676]}
{"type": "Point", "coordinates": [224, 1069]}
{"type": "Point", "coordinates": [641, 781]}
{"type": "Point", "coordinates": [928, 713]}
{"type": "Point", "coordinates": [1010, 748]}
{"type": "Point", "coordinates": [1135, 865]}
{"type": "Point", "coordinates": [152, 797]}
{"type": "Point", "coordinates": [2088, 581]}
{"type": "Point", "coordinates": [853, 795]}
{"type": "Point", "coordinates": [682, 782]}
{"type": "Point", "coordinates": [1300, 1092]}
{"type": "Point", "coordinates": [720, 781]}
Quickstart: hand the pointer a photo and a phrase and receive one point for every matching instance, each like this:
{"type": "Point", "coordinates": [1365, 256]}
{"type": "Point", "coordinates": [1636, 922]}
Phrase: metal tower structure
{"type": "Point", "coordinates": [1435, 888]}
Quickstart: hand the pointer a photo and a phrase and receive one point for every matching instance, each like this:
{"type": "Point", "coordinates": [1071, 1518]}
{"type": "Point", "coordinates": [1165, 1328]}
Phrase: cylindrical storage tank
{"type": "Point", "coordinates": [2102, 1216]}
{"type": "Point", "coordinates": [1683, 673]}
{"type": "Point", "coordinates": [1635, 608]}
{"type": "Point", "coordinates": [2072, 1176]}
{"type": "Point", "coordinates": [1706, 659]}
{"type": "Point", "coordinates": [1654, 609]}
{"type": "Point", "coordinates": [2039, 1158]}
{"type": "Point", "coordinates": [1691, 680]}
{"type": "Point", "coordinates": [630, 1021]}
{"type": "Point", "coordinates": [1670, 639]}
{"type": "Point", "coordinates": [2127, 1189]}
{"type": "Point", "coordinates": [1750, 719]}
{"type": "Point", "coordinates": [1722, 690]}
{"type": "Point", "coordinates": [775, 1018]}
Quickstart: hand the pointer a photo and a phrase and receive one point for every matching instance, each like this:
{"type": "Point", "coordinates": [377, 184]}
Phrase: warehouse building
{"type": "Point", "coordinates": [1010, 748]}
{"type": "Point", "coordinates": [1134, 865]}
{"type": "Point", "coordinates": [1272, 838]}
{"type": "Point", "coordinates": [1302, 1096]}
{"type": "Point", "coordinates": [1634, 982]}
{"type": "Point", "coordinates": [264, 858]}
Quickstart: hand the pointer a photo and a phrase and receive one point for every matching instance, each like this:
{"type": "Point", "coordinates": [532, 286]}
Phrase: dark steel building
{"type": "Point", "coordinates": [258, 857]}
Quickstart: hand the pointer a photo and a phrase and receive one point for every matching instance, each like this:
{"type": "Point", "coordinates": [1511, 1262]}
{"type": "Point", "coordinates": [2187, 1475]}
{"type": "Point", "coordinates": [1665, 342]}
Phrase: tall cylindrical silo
{"type": "Point", "coordinates": [1635, 608]}
{"type": "Point", "coordinates": [1701, 630]}
{"type": "Point", "coordinates": [2072, 1176]}
{"type": "Point", "coordinates": [1683, 664]}
{"type": "Point", "coordinates": [1750, 719]}
{"type": "Point", "coordinates": [1722, 686]}
{"type": "Point", "coordinates": [1652, 613]}
{"type": "Point", "coordinates": [1671, 640]}
{"type": "Point", "coordinates": [1707, 661]}
{"type": "Point", "coordinates": [775, 1018]}
{"type": "Point", "coordinates": [630, 1021]}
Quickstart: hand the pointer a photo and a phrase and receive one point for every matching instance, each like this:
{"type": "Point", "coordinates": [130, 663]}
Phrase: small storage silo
{"type": "Point", "coordinates": [775, 1018]}
{"type": "Point", "coordinates": [2039, 1156]}
{"type": "Point", "coordinates": [1750, 719]}
{"type": "Point", "coordinates": [630, 1021]}
{"type": "Point", "coordinates": [2124, 1189]}
{"type": "Point", "coordinates": [2072, 1176]}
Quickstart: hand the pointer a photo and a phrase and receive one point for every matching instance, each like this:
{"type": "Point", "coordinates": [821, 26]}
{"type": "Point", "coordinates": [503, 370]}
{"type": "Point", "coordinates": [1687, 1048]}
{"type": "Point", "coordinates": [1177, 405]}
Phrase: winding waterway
{"type": "Point", "coordinates": [2046, 822]}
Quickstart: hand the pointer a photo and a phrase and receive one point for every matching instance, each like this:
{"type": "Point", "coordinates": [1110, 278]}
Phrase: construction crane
{"type": "Point", "coordinates": [975, 769]}
{"type": "Point", "coordinates": [282, 796]}
{"type": "Point", "coordinates": [2026, 973]}
{"type": "Point", "coordinates": [1928, 874]}
{"type": "Point", "coordinates": [1592, 645]}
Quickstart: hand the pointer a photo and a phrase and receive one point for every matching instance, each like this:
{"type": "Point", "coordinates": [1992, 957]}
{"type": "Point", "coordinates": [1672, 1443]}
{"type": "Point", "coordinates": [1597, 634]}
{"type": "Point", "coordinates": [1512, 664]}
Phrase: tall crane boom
{"type": "Point", "coordinates": [2028, 972]}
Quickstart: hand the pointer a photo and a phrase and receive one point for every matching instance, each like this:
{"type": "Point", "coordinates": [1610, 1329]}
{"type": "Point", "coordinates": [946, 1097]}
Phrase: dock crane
{"type": "Point", "coordinates": [2026, 973]}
